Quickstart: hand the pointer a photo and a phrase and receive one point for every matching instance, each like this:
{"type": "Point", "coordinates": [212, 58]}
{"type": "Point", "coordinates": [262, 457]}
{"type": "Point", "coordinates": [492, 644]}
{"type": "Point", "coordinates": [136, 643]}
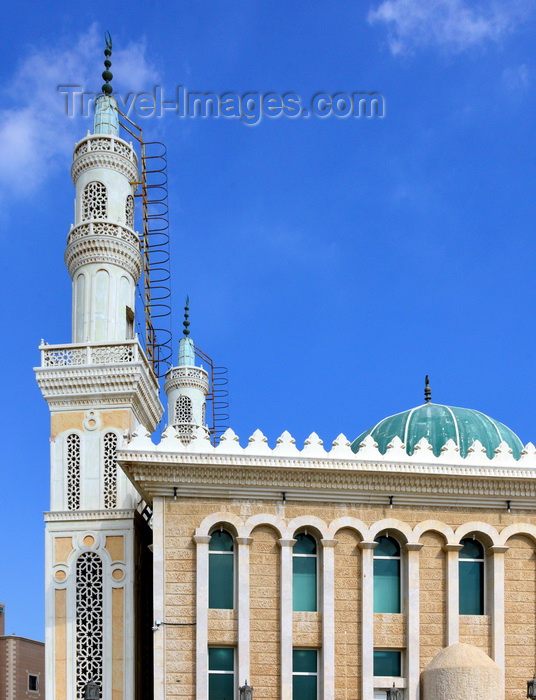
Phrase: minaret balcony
{"type": "Point", "coordinates": [191, 376]}
{"type": "Point", "coordinates": [103, 228]}
{"type": "Point", "coordinates": [104, 151]}
{"type": "Point", "coordinates": [104, 142]}
{"type": "Point", "coordinates": [129, 351]}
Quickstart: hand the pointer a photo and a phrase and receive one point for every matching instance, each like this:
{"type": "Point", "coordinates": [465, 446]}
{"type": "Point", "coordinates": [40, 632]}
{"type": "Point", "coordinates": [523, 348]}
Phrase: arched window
{"type": "Point", "coordinates": [221, 570]}
{"type": "Point", "coordinates": [183, 409]}
{"type": "Point", "coordinates": [73, 472]}
{"type": "Point", "coordinates": [471, 577]}
{"type": "Point", "coordinates": [387, 575]}
{"type": "Point", "coordinates": [89, 621]}
{"type": "Point", "coordinates": [129, 211]}
{"type": "Point", "coordinates": [110, 470]}
{"type": "Point", "coordinates": [304, 573]}
{"type": "Point", "coordinates": [94, 201]}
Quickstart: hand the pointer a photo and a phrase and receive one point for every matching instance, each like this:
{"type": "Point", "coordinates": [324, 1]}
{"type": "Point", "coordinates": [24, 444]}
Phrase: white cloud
{"type": "Point", "coordinates": [36, 135]}
{"type": "Point", "coordinates": [452, 25]}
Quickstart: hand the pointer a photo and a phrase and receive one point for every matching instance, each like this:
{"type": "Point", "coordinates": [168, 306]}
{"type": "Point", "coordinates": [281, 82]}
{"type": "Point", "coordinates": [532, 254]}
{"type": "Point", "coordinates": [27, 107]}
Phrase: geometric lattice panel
{"type": "Point", "coordinates": [89, 621]}
{"type": "Point", "coordinates": [94, 201]}
{"type": "Point", "coordinates": [73, 471]}
{"type": "Point", "coordinates": [110, 470]}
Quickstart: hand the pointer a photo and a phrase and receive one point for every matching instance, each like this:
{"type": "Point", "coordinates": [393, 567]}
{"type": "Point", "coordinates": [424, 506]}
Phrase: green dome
{"type": "Point", "coordinates": [438, 424]}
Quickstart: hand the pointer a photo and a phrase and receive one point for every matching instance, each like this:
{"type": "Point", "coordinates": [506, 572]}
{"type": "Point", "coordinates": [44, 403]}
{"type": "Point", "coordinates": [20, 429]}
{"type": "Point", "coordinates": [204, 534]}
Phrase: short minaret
{"type": "Point", "coordinates": [187, 387]}
{"type": "Point", "coordinates": [99, 386]}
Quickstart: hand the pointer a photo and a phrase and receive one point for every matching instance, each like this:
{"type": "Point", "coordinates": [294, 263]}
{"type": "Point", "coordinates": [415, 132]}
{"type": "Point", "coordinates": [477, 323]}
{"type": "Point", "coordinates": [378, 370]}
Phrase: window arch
{"type": "Point", "coordinates": [94, 201]}
{"type": "Point", "coordinates": [129, 211]}
{"type": "Point", "coordinates": [304, 573]}
{"type": "Point", "coordinates": [73, 471]}
{"type": "Point", "coordinates": [221, 570]}
{"type": "Point", "coordinates": [387, 592]}
{"type": "Point", "coordinates": [89, 621]}
{"type": "Point", "coordinates": [110, 470]}
{"type": "Point", "coordinates": [471, 577]}
{"type": "Point", "coordinates": [183, 409]}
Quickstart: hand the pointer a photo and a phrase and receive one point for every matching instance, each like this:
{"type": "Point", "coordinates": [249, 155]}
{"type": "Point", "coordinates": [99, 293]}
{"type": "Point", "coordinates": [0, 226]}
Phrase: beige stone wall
{"type": "Point", "coordinates": [433, 596]}
{"type": "Point", "coordinates": [183, 517]}
{"type": "Point", "coordinates": [347, 615]}
{"type": "Point", "coordinates": [520, 615]}
{"type": "Point", "coordinates": [180, 523]}
{"type": "Point", "coordinates": [476, 630]}
{"type": "Point", "coordinates": [265, 629]}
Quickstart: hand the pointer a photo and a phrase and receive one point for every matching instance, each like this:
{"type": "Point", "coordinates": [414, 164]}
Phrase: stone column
{"type": "Point", "coordinates": [201, 617]}
{"type": "Point", "coordinates": [367, 619]}
{"type": "Point", "coordinates": [328, 618]}
{"type": "Point", "coordinates": [453, 594]}
{"type": "Point", "coordinates": [243, 608]}
{"type": "Point", "coordinates": [413, 620]}
{"type": "Point", "coordinates": [286, 618]}
{"type": "Point", "coordinates": [496, 607]}
{"type": "Point", "coordinates": [159, 608]}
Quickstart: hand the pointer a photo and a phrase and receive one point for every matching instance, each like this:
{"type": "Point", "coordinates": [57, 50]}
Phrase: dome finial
{"type": "Point", "coordinates": [107, 73]}
{"type": "Point", "coordinates": [186, 322]}
{"type": "Point", "coordinates": [427, 390]}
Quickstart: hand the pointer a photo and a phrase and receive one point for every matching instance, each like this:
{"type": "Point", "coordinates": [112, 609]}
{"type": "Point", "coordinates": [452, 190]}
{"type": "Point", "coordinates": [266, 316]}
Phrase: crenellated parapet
{"type": "Point", "coordinates": [313, 448]}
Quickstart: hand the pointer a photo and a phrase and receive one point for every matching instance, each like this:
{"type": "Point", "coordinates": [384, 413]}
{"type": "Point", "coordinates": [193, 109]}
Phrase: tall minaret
{"type": "Point", "coordinates": [187, 387]}
{"type": "Point", "coordinates": [97, 387]}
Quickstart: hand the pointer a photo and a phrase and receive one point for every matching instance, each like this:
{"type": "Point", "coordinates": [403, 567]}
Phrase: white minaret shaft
{"type": "Point", "coordinates": [98, 564]}
{"type": "Point", "coordinates": [187, 387]}
{"type": "Point", "coordinates": [103, 253]}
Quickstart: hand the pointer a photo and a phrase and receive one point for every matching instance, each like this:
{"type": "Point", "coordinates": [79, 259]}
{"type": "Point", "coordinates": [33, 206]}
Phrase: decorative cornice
{"type": "Point", "coordinates": [109, 161]}
{"type": "Point", "coordinates": [340, 482]}
{"type": "Point", "coordinates": [127, 381]}
{"type": "Point", "coordinates": [194, 377]}
{"type": "Point", "coordinates": [103, 249]}
{"type": "Point", "coordinates": [65, 515]}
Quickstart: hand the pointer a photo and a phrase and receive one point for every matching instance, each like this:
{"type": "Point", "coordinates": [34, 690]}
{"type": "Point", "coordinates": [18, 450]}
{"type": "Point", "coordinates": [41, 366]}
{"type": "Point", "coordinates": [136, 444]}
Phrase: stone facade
{"type": "Point", "coordinates": [262, 627]}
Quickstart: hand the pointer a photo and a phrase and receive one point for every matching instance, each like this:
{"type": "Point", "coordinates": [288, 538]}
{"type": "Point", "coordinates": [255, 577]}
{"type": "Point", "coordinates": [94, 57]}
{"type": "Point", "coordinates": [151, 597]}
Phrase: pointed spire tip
{"type": "Point", "coordinates": [186, 322]}
{"type": "Point", "coordinates": [427, 390]}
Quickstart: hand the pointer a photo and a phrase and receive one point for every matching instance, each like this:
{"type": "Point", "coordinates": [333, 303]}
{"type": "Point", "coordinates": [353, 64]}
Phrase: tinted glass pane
{"type": "Point", "coordinates": [303, 688]}
{"type": "Point", "coordinates": [471, 588]}
{"type": "Point", "coordinates": [304, 583]}
{"type": "Point", "coordinates": [220, 581]}
{"type": "Point", "coordinates": [387, 585]}
{"type": "Point", "coordinates": [220, 686]}
{"type": "Point", "coordinates": [305, 544]}
{"type": "Point", "coordinates": [304, 660]}
{"type": "Point", "coordinates": [220, 541]}
{"type": "Point", "coordinates": [472, 549]}
{"type": "Point", "coordinates": [220, 659]}
{"type": "Point", "coordinates": [387, 547]}
{"type": "Point", "coordinates": [387, 663]}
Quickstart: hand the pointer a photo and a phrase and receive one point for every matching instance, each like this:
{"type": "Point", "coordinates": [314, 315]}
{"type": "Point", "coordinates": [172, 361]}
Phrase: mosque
{"type": "Point", "coordinates": [396, 563]}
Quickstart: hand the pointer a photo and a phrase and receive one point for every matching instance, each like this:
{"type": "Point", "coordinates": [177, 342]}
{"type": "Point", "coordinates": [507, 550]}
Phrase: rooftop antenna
{"type": "Point", "coordinates": [427, 390]}
{"type": "Point", "coordinates": [107, 73]}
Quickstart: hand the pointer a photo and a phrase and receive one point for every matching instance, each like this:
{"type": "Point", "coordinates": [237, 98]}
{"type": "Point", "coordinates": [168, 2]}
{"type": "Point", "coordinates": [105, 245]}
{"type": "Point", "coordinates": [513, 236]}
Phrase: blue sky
{"type": "Point", "coordinates": [331, 263]}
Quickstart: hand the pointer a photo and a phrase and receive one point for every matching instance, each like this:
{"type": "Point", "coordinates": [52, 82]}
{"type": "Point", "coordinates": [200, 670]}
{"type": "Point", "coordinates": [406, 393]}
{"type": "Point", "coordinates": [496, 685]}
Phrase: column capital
{"type": "Point", "coordinates": [287, 543]}
{"type": "Point", "coordinates": [497, 549]}
{"type": "Point", "coordinates": [329, 543]}
{"type": "Point", "coordinates": [413, 546]}
{"type": "Point", "coordinates": [367, 545]}
{"type": "Point", "coordinates": [452, 547]}
{"type": "Point", "coordinates": [201, 539]}
{"type": "Point", "coordinates": [243, 540]}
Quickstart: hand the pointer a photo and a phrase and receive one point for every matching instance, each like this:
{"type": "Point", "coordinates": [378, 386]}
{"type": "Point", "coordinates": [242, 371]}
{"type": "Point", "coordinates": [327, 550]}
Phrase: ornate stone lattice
{"type": "Point", "coordinates": [94, 201]}
{"type": "Point", "coordinates": [73, 472]}
{"type": "Point", "coordinates": [204, 414]}
{"type": "Point", "coordinates": [129, 211]}
{"type": "Point", "coordinates": [183, 410]}
{"type": "Point", "coordinates": [110, 470]}
{"type": "Point", "coordinates": [89, 621]}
